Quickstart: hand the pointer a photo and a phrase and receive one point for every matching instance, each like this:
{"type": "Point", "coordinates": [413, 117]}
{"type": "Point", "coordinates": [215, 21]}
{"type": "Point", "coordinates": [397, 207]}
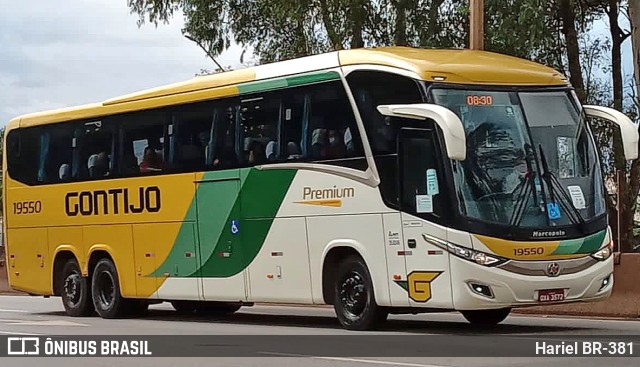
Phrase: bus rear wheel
{"type": "Point", "coordinates": [75, 290]}
{"type": "Point", "coordinates": [105, 289]}
{"type": "Point", "coordinates": [486, 317]}
{"type": "Point", "coordinates": [354, 301]}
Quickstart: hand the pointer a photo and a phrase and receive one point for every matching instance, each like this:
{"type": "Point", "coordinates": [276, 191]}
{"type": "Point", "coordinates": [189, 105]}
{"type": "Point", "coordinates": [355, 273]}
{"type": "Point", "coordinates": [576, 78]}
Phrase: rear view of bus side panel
{"type": "Point", "coordinates": [29, 263]}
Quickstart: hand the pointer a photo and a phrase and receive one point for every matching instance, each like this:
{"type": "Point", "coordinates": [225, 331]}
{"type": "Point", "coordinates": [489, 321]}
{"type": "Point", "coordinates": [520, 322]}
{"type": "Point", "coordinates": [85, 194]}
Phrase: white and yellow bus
{"type": "Point", "coordinates": [390, 180]}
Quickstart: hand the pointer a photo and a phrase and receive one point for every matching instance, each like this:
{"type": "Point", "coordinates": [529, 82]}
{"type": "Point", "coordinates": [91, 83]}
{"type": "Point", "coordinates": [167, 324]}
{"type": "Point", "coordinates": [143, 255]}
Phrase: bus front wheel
{"type": "Point", "coordinates": [105, 289]}
{"type": "Point", "coordinates": [486, 317]}
{"type": "Point", "coordinates": [75, 290]}
{"type": "Point", "coordinates": [354, 300]}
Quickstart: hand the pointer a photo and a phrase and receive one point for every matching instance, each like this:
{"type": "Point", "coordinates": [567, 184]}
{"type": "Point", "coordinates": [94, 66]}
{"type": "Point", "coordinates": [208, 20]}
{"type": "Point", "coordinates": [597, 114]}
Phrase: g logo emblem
{"type": "Point", "coordinates": [418, 285]}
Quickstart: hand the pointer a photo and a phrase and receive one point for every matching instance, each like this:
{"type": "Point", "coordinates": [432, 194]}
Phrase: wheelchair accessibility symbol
{"type": "Point", "coordinates": [553, 211]}
{"type": "Point", "coordinates": [235, 227]}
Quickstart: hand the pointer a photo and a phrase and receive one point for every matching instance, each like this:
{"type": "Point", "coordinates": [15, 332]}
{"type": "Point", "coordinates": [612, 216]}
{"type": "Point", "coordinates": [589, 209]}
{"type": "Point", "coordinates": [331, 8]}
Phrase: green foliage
{"type": "Point", "coordinates": [283, 29]}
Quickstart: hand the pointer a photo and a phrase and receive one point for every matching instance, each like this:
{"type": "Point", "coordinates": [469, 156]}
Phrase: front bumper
{"type": "Point", "coordinates": [512, 290]}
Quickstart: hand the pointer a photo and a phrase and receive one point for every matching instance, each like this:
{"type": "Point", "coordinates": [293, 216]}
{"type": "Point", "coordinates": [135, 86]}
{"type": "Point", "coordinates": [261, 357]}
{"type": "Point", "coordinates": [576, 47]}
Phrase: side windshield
{"type": "Point", "coordinates": [530, 158]}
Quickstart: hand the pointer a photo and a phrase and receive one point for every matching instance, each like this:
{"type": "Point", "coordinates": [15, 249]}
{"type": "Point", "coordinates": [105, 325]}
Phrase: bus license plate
{"type": "Point", "coordinates": [551, 295]}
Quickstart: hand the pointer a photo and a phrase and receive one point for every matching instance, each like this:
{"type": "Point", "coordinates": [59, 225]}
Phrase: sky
{"type": "Point", "coordinates": [56, 53]}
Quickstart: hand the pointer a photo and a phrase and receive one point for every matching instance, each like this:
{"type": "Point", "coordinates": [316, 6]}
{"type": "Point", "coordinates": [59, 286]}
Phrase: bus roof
{"type": "Point", "coordinates": [454, 66]}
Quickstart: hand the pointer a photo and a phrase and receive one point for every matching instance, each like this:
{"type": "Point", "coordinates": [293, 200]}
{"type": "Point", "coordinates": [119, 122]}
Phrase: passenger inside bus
{"type": "Point", "coordinates": [98, 165]}
{"type": "Point", "coordinates": [256, 153]}
{"type": "Point", "coordinates": [319, 143]}
{"type": "Point", "coordinates": [293, 152]}
{"type": "Point", "coordinates": [191, 155]}
{"type": "Point", "coordinates": [336, 148]}
{"type": "Point", "coordinates": [226, 155]}
{"type": "Point", "coordinates": [204, 139]}
{"type": "Point", "coordinates": [152, 162]}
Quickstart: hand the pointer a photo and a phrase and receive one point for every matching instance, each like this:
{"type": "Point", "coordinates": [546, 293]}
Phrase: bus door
{"type": "Point", "coordinates": [219, 233]}
{"type": "Point", "coordinates": [423, 202]}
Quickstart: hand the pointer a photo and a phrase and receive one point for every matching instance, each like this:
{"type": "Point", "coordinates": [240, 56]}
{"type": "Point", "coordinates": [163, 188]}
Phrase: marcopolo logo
{"type": "Point", "coordinates": [113, 201]}
{"type": "Point", "coordinates": [326, 196]}
{"type": "Point", "coordinates": [557, 233]}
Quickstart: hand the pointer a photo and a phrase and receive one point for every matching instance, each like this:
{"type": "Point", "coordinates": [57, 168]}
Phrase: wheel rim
{"type": "Point", "coordinates": [73, 288]}
{"type": "Point", "coordinates": [106, 289]}
{"type": "Point", "coordinates": [353, 294]}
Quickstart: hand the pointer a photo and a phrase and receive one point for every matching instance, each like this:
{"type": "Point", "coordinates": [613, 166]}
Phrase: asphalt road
{"type": "Point", "coordinates": [20, 315]}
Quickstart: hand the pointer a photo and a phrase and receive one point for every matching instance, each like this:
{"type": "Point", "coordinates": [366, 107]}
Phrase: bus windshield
{"type": "Point", "coordinates": [531, 160]}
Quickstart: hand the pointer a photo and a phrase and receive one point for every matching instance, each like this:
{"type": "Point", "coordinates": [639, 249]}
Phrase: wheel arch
{"type": "Point", "coordinates": [97, 253]}
{"type": "Point", "coordinates": [62, 255]}
{"type": "Point", "coordinates": [338, 250]}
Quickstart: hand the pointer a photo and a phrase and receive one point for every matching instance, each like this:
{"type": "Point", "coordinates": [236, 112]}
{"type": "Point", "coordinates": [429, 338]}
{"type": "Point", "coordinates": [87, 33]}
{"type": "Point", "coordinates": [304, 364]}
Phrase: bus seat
{"type": "Point", "coordinates": [271, 151]}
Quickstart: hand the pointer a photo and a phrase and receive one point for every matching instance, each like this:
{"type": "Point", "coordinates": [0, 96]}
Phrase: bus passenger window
{"type": "Point", "coordinates": [194, 125]}
{"type": "Point", "coordinates": [321, 119]}
{"type": "Point", "coordinates": [143, 143]}
{"type": "Point", "coordinates": [259, 128]}
{"type": "Point", "coordinates": [373, 88]}
{"type": "Point", "coordinates": [56, 155]}
{"type": "Point", "coordinates": [293, 123]}
{"type": "Point", "coordinates": [23, 152]}
{"type": "Point", "coordinates": [95, 151]}
{"type": "Point", "coordinates": [222, 145]}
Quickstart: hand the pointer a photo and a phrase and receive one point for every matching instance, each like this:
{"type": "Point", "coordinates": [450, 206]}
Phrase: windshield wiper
{"type": "Point", "coordinates": [528, 186]}
{"type": "Point", "coordinates": [555, 186]}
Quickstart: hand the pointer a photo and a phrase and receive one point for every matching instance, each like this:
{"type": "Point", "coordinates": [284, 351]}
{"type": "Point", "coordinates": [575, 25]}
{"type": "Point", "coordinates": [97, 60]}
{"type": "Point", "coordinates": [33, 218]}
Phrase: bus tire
{"type": "Point", "coordinates": [486, 317]}
{"type": "Point", "coordinates": [105, 290]}
{"type": "Point", "coordinates": [217, 308]}
{"type": "Point", "coordinates": [354, 298]}
{"type": "Point", "coordinates": [184, 307]}
{"type": "Point", "coordinates": [75, 291]}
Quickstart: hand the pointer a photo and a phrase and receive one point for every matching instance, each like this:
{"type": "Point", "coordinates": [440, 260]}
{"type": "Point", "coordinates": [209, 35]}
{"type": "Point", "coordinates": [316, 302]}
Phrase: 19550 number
{"type": "Point", "coordinates": [528, 251]}
{"type": "Point", "coordinates": [27, 207]}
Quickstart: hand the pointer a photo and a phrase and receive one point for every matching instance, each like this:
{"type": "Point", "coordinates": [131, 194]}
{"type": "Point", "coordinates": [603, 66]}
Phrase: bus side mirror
{"type": "Point", "coordinates": [628, 129]}
{"type": "Point", "coordinates": [452, 128]}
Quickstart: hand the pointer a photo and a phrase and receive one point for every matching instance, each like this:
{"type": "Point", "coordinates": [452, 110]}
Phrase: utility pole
{"type": "Point", "coordinates": [476, 31]}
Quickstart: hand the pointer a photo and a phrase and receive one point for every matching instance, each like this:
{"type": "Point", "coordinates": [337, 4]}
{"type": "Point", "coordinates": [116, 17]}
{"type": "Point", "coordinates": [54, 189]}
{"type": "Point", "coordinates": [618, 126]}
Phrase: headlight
{"type": "Point", "coordinates": [466, 253]}
{"type": "Point", "coordinates": [604, 252]}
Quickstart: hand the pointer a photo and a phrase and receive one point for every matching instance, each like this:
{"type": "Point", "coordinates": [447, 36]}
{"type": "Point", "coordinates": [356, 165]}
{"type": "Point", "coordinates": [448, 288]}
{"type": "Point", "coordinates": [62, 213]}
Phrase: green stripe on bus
{"type": "Point", "coordinates": [312, 78]}
{"type": "Point", "coordinates": [260, 86]}
{"type": "Point", "coordinates": [585, 245]}
{"type": "Point", "coordinates": [218, 201]}
{"type": "Point", "coordinates": [292, 81]}
{"type": "Point", "coordinates": [592, 243]}
{"type": "Point", "coordinates": [258, 211]}
{"type": "Point", "coordinates": [188, 237]}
